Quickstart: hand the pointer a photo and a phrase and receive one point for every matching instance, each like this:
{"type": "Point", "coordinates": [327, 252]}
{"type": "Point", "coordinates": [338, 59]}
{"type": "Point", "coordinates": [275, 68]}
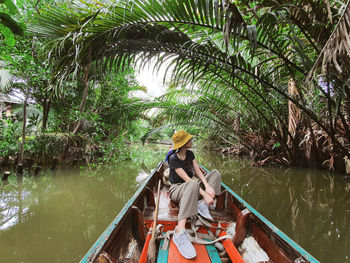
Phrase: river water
{"type": "Point", "coordinates": [57, 216]}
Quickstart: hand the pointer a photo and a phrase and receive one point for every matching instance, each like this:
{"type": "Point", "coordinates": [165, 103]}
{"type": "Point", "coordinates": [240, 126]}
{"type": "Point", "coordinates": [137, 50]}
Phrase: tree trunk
{"type": "Point", "coordinates": [237, 126]}
{"type": "Point", "coordinates": [86, 89]}
{"type": "Point", "coordinates": [20, 155]}
{"type": "Point", "coordinates": [347, 104]}
{"type": "Point", "coordinates": [85, 80]}
{"type": "Point", "coordinates": [293, 113]}
{"type": "Point", "coordinates": [46, 110]}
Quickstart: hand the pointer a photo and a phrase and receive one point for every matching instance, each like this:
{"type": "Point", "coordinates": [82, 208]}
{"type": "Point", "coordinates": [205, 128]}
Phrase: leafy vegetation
{"type": "Point", "coordinates": [88, 120]}
{"type": "Point", "coordinates": [8, 25]}
{"type": "Point", "coordinates": [247, 75]}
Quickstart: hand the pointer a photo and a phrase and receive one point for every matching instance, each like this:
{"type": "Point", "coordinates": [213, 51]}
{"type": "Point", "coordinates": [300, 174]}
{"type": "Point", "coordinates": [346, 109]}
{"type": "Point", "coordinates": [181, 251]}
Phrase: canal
{"type": "Point", "coordinates": [57, 216]}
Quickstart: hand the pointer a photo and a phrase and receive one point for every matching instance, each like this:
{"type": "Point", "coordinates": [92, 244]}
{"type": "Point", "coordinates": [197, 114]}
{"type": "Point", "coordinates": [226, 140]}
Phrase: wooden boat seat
{"type": "Point", "coordinates": [205, 254]}
{"type": "Point", "coordinates": [168, 210]}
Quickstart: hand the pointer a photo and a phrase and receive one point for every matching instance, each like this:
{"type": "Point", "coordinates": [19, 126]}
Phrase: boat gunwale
{"type": "Point", "coordinates": [99, 243]}
{"type": "Point", "coordinates": [271, 226]}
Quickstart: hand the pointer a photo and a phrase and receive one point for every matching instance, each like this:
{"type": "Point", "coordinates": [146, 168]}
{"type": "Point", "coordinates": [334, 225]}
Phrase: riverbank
{"type": "Point", "coordinates": [49, 151]}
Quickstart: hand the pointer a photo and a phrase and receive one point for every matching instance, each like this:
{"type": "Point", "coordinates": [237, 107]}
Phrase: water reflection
{"type": "Point", "coordinates": [141, 176]}
{"type": "Point", "coordinates": [310, 206]}
{"type": "Point", "coordinates": [11, 211]}
{"type": "Point", "coordinates": [57, 217]}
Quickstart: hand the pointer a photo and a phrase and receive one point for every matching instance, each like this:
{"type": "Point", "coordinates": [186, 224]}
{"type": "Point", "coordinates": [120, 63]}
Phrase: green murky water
{"type": "Point", "coordinates": [56, 217]}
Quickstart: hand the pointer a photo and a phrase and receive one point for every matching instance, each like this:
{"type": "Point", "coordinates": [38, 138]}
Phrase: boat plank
{"type": "Point", "coordinates": [168, 210]}
{"type": "Point", "coordinates": [162, 254]}
{"type": "Point", "coordinates": [176, 257]}
{"type": "Point", "coordinates": [213, 253]}
{"type": "Point", "coordinates": [231, 249]}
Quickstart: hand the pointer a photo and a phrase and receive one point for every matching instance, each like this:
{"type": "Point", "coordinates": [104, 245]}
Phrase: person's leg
{"type": "Point", "coordinates": [187, 195]}
{"type": "Point", "coordinates": [214, 180]}
{"type": "Point", "coordinates": [181, 224]}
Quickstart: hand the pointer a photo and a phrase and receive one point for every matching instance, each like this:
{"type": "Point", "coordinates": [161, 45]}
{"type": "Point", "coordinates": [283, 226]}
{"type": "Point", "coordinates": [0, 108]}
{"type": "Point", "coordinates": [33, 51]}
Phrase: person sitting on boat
{"type": "Point", "coordinates": [193, 197]}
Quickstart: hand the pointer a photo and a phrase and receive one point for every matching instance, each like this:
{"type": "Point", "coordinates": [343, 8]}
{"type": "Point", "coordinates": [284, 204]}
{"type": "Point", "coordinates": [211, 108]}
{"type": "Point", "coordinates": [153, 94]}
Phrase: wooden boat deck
{"type": "Point", "coordinates": [202, 254]}
{"type": "Point", "coordinates": [167, 215]}
{"type": "Point", "coordinates": [125, 238]}
{"type": "Point", "coordinates": [168, 210]}
{"type": "Point", "coordinates": [205, 254]}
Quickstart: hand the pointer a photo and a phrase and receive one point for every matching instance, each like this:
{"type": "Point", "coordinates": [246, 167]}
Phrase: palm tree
{"type": "Point", "coordinates": [334, 60]}
{"type": "Point", "coordinates": [5, 84]}
{"type": "Point", "coordinates": [250, 49]}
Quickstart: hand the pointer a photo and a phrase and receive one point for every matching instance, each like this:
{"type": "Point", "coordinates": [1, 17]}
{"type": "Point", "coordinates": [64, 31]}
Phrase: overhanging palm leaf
{"type": "Point", "coordinates": [209, 109]}
{"type": "Point", "coordinates": [5, 80]}
{"type": "Point", "coordinates": [112, 35]}
{"type": "Point", "coordinates": [336, 52]}
{"type": "Point", "coordinates": [120, 43]}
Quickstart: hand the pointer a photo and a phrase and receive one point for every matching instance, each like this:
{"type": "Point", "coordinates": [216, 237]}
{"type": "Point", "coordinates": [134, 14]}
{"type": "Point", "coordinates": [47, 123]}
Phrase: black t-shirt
{"type": "Point", "coordinates": [186, 164]}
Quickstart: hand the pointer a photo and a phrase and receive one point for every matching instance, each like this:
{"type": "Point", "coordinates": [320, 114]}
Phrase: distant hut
{"type": "Point", "coordinates": [7, 101]}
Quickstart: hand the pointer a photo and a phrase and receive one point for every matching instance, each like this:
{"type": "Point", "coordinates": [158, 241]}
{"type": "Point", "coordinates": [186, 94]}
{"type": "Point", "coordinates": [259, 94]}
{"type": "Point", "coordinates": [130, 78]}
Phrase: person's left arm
{"type": "Point", "coordinates": [201, 176]}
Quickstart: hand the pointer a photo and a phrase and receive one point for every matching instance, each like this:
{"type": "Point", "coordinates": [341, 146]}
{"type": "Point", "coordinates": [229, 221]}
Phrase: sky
{"type": "Point", "coordinates": [153, 81]}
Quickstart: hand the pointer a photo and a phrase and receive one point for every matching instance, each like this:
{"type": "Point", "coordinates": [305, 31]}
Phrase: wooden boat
{"type": "Point", "coordinates": [125, 238]}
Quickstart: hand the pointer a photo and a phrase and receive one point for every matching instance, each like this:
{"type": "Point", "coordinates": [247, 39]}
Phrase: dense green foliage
{"type": "Point", "coordinates": [8, 25]}
{"type": "Point", "coordinates": [60, 124]}
{"type": "Point", "coordinates": [238, 72]}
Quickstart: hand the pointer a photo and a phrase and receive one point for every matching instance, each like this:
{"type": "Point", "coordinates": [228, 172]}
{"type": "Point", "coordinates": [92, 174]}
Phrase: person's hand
{"type": "Point", "coordinates": [210, 191]}
{"type": "Point", "coordinates": [208, 199]}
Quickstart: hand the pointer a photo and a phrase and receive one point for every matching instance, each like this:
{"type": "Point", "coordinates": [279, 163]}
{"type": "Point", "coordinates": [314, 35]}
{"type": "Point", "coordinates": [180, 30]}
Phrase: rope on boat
{"type": "Point", "coordinates": [199, 238]}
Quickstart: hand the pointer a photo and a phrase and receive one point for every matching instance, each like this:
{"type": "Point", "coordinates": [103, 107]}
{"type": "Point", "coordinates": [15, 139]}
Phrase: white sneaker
{"type": "Point", "coordinates": [183, 244]}
{"type": "Point", "coordinates": [203, 210]}
{"type": "Point", "coordinates": [213, 206]}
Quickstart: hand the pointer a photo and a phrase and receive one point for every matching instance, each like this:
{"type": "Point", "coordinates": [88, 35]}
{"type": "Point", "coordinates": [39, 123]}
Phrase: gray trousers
{"type": "Point", "coordinates": [187, 194]}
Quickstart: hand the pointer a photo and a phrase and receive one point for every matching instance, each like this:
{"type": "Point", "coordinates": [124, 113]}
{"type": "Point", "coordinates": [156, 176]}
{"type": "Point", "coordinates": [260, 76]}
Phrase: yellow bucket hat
{"type": "Point", "coordinates": [180, 138]}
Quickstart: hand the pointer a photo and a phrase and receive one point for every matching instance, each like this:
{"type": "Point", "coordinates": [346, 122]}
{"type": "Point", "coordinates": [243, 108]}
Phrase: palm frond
{"type": "Point", "coordinates": [5, 80]}
{"type": "Point", "coordinates": [204, 41]}
{"type": "Point", "coordinates": [336, 52]}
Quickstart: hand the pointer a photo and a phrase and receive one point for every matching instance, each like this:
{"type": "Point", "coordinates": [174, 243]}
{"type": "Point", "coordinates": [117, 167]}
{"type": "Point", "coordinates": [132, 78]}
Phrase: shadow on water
{"type": "Point", "coordinates": [56, 217]}
{"type": "Point", "coordinates": [311, 206]}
